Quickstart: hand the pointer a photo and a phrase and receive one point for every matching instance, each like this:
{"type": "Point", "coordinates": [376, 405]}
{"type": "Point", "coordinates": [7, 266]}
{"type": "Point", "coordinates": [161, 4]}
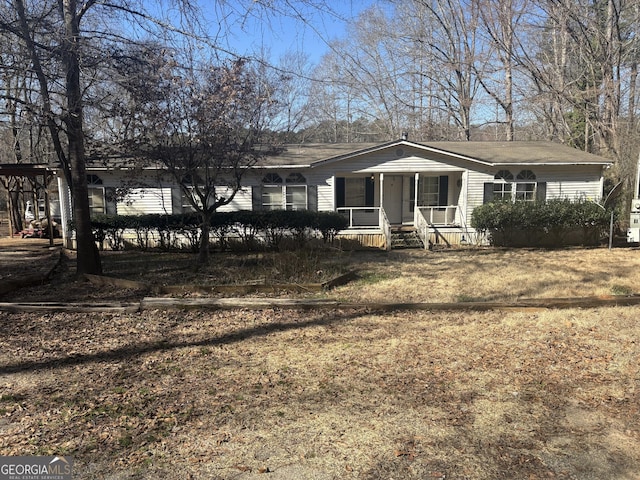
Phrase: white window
{"type": "Point", "coordinates": [526, 186]}
{"type": "Point", "coordinates": [355, 192]}
{"type": "Point", "coordinates": [271, 197]}
{"type": "Point", "coordinates": [296, 192]}
{"type": "Point", "coordinates": [272, 192]}
{"type": "Point", "coordinates": [503, 186]}
{"type": "Point", "coordinates": [96, 195]}
{"type": "Point", "coordinates": [290, 194]}
{"type": "Point", "coordinates": [429, 193]}
{"type": "Point", "coordinates": [521, 188]}
{"type": "Point", "coordinates": [296, 197]}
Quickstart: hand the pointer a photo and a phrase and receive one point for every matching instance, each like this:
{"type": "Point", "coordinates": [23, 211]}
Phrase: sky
{"type": "Point", "coordinates": [278, 33]}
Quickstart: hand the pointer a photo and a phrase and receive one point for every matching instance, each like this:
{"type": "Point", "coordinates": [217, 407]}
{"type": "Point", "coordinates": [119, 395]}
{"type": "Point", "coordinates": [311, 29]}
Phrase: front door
{"type": "Point", "coordinates": [392, 198]}
{"type": "Point", "coordinates": [408, 199]}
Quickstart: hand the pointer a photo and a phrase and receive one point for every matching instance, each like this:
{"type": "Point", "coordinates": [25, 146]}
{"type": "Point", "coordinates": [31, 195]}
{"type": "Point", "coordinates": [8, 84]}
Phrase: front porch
{"type": "Point", "coordinates": [431, 204]}
{"type": "Point", "coordinates": [370, 227]}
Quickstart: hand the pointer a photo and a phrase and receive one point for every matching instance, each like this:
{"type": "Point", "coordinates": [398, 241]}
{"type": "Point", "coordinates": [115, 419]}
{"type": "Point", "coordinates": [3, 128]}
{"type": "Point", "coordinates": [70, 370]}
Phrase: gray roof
{"type": "Point", "coordinates": [489, 153]}
{"type": "Point", "coordinates": [308, 153]}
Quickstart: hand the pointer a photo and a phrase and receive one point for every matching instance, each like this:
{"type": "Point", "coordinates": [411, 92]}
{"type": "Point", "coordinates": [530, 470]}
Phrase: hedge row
{"type": "Point", "coordinates": [249, 230]}
{"type": "Point", "coordinates": [555, 222]}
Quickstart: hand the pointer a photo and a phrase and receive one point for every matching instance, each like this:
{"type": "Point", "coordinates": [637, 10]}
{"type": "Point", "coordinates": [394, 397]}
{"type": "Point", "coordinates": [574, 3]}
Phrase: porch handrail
{"type": "Point", "coordinates": [422, 228]}
{"type": "Point", "coordinates": [386, 228]}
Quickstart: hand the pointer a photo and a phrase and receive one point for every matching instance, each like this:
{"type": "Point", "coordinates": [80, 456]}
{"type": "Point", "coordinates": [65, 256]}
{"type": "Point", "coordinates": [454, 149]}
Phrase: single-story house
{"type": "Point", "coordinates": [430, 189]}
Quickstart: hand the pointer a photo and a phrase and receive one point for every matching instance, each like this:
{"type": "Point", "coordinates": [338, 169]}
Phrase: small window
{"type": "Point", "coordinates": [296, 178]}
{"type": "Point", "coordinates": [504, 175]}
{"type": "Point", "coordinates": [272, 179]}
{"type": "Point", "coordinates": [526, 175]}
{"type": "Point", "coordinates": [93, 180]}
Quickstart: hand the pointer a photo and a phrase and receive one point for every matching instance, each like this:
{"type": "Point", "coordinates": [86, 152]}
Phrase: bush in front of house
{"type": "Point", "coordinates": [246, 230]}
{"type": "Point", "coordinates": [554, 223]}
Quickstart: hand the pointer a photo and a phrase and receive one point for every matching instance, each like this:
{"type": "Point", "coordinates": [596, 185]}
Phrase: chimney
{"type": "Point", "coordinates": [405, 135]}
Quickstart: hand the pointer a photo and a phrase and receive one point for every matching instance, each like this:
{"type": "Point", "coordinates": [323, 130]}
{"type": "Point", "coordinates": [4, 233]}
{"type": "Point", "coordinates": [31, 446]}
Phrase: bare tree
{"type": "Point", "coordinates": [206, 131]}
{"type": "Point", "coordinates": [499, 19]}
{"type": "Point", "coordinates": [62, 39]}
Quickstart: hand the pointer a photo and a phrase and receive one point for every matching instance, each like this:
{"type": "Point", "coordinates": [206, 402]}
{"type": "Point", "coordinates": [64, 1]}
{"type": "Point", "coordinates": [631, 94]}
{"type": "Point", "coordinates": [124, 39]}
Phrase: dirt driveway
{"type": "Point", "coordinates": [24, 257]}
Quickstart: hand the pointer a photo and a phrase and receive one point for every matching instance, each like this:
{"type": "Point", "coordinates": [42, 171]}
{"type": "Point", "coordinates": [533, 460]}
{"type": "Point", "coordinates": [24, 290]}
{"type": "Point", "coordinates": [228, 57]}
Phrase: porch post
{"type": "Point", "coordinates": [380, 216]}
{"type": "Point", "coordinates": [461, 210]}
{"type": "Point", "coordinates": [64, 195]}
{"type": "Point", "coordinates": [415, 198]}
{"type": "Point", "coordinates": [47, 205]}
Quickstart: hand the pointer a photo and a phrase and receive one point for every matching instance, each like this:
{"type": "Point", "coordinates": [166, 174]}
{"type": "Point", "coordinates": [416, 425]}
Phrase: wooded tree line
{"type": "Point", "coordinates": [76, 75]}
{"type": "Point", "coordinates": [560, 70]}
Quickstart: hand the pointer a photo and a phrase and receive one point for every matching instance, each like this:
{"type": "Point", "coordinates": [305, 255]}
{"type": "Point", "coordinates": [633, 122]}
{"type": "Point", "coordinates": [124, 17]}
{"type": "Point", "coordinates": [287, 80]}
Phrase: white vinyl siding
{"type": "Point", "coordinates": [141, 201]}
{"type": "Point", "coordinates": [390, 163]}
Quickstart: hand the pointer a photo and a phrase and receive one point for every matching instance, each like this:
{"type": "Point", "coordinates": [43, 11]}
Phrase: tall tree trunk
{"type": "Point", "coordinates": [88, 259]}
{"type": "Point", "coordinates": [633, 79]}
{"type": "Point", "coordinates": [16, 212]}
{"type": "Point", "coordinates": [608, 136]}
{"type": "Point", "coordinates": [203, 254]}
{"type": "Point", "coordinates": [54, 130]}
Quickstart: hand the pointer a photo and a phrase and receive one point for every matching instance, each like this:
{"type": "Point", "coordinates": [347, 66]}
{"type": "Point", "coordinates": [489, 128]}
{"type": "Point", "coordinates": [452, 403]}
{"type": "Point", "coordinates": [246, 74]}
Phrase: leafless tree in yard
{"type": "Point", "coordinates": [205, 126]}
{"type": "Point", "coordinates": [499, 20]}
{"type": "Point", "coordinates": [62, 37]}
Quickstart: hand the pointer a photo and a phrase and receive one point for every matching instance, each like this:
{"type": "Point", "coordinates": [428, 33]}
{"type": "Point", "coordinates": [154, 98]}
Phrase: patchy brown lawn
{"type": "Point", "coordinates": [344, 393]}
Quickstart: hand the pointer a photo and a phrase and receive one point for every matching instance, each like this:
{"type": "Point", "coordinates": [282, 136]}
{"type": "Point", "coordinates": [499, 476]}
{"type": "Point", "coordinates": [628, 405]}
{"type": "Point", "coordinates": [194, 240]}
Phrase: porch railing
{"type": "Point", "coordinates": [362, 217]}
{"type": "Point", "coordinates": [443, 216]}
{"type": "Point", "coordinates": [427, 219]}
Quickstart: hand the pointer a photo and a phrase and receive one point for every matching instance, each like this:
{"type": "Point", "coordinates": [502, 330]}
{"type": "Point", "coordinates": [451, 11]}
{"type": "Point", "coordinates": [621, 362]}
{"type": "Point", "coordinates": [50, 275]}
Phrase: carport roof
{"type": "Point", "coordinates": [24, 169]}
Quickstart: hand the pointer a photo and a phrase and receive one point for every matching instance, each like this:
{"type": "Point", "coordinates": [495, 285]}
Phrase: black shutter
{"type": "Point", "coordinates": [256, 198]}
{"type": "Point", "coordinates": [312, 198]}
{"type": "Point", "coordinates": [443, 196]}
{"type": "Point", "coordinates": [369, 189]}
{"type": "Point", "coordinates": [541, 192]}
{"type": "Point", "coordinates": [340, 192]}
{"type": "Point", "coordinates": [488, 192]}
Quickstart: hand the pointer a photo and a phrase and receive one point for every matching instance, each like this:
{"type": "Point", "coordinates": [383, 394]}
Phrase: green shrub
{"type": "Point", "coordinates": [255, 229]}
{"type": "Point", "coordinates": [555, 222]}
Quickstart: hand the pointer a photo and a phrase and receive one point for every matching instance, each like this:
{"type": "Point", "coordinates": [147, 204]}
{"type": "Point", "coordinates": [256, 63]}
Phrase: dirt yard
{"type": "Point", "coordinates": [339, 394]}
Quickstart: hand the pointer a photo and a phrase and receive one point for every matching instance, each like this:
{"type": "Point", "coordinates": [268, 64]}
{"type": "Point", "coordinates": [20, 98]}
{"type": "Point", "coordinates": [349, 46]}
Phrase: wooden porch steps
{"type": "Point", "coordinates": [405, 238]}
